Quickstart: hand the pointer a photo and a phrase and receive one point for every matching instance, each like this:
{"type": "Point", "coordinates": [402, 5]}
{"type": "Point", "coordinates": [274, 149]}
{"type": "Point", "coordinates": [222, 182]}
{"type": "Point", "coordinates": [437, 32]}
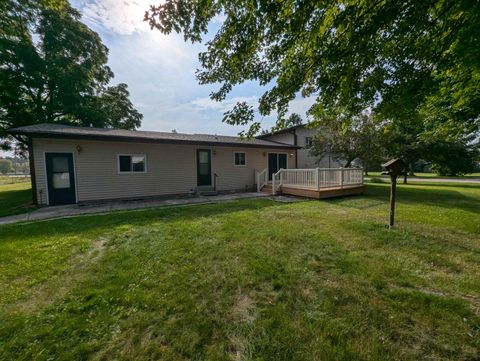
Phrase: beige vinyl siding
{"type": "Point", "coordinates": [171, 168]}
{"type": "Point", "coordinates": [305, 159]}
{"type": "Point", "coordinates": [242, 177]}
{"type": "Point", "coordinates": [286, 138]}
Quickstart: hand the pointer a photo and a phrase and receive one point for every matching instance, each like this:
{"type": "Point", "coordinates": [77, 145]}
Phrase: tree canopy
{"type": "Point", "coordinates": [345, 140]}
{"type": "Point", "coordinates": [53, 68]}
{"type": "Point", "coordinates": [400, 60]}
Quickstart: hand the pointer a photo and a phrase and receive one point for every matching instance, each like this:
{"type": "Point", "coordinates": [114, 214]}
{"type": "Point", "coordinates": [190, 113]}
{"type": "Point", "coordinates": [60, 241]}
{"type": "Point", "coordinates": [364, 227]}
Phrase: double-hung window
{"type": "Point", "coordinates": [132, 163]}
{"type": "Point", "coordinates": [240, 159]}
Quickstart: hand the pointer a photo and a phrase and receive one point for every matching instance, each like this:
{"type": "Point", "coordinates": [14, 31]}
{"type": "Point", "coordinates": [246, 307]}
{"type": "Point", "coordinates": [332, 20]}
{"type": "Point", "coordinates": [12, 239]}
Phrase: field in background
{"type": "Point", "coordinates": [12, 179]}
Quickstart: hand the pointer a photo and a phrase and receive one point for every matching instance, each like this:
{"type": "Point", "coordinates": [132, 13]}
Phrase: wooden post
{"type": "Point", "coordinates": [341, 178]}
{"type": "Point", "coordinates": [317, 180]}
{"type": "Point", "coordinates": [393, 194]}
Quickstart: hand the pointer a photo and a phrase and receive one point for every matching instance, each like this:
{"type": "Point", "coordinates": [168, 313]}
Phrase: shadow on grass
{"type": "Point", "coordinates": [15, 202]}
{"type": "Point", "coordinates": [138, 218]}
{"type": "Point", "coordinates": [379, 194]}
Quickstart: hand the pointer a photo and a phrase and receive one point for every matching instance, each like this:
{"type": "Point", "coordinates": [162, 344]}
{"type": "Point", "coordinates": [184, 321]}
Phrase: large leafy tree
{"type": "Point", "coordinates": [399, 59]}
{"type": "Point", "coordinates": [53, 68]}
{"type": "Point", "coordinates": [348, 139]}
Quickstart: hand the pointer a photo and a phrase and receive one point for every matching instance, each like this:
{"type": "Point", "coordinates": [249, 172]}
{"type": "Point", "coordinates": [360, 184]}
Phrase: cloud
{"type": "Point", "coordinates": [160, 71]}
{"type": "Point", "coordinates": [206, 103]}
{"type": "Point", "coordinates": [123, 17]}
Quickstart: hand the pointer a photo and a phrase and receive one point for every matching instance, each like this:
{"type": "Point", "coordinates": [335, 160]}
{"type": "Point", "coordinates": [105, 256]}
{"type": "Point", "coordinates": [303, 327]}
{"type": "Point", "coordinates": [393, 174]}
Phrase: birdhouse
{"type": "Point", "coordinates": [395, 166]}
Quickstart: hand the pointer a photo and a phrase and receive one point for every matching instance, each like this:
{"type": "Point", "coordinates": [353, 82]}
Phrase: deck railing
{"type": "Point", "coordinates": [262, 179]}
{"type": "Point", "coordinates": [317, 178]}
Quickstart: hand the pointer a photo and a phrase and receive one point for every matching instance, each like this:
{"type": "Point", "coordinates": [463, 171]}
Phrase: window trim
{"type": "Point", "coordinates": [234, 159]}
{"type": "Point", "coordinates": [131, 170]}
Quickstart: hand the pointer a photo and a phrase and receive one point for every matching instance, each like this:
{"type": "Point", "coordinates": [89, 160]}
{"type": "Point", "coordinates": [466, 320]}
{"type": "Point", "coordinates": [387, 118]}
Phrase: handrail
{"type": "Point", "coordinates": [277, 181]}
{"type": "Point", "coordinates": [261, 179]}
{"type": "Point", "coordinates": [317, 178]}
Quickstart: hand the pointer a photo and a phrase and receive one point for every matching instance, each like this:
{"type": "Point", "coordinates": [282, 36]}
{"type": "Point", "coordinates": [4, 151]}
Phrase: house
{"type": "Point", "coordinates": [301, 136]}
{"type": "Point", "coordinates": [80, 164]}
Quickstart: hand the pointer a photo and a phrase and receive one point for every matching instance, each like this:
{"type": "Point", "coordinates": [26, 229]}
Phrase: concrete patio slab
{"type": "Point", "coordinates": [73, 210]}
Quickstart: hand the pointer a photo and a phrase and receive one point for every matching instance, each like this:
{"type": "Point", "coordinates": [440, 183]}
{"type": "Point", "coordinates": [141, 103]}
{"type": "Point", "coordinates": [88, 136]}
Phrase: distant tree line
{"type": "Point", "coordinates": [14, 165]}
{"type": "Point", "coordinates": [370, 142]}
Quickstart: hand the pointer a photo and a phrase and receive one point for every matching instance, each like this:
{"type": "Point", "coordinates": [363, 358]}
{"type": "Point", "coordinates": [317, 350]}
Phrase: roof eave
{"type": "Point", "coordinates": [146, 140]}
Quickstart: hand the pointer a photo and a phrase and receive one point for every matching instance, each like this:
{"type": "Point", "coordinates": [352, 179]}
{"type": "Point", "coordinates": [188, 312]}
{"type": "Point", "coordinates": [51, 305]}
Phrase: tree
{"type": "Point", "coordinates": [402, 140]}
{"type": "Point", "coordinates": [5, 166]}
{"type": "Point", "coordinates": [348, 139]}
{"type": "Point", "coordinates": [54, 69]}
{"type": "Point", "coordinates": [293, 120]}
{"type": "Point", "coordinates": [454, 158]}
{"type": "Point", "coordinates": [396, 58]}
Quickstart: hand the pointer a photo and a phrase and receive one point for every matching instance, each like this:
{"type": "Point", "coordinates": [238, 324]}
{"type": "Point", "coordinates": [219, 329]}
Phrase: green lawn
{"type": "Point", "coordinates": [430, 175]}
{"type": "Point", "coordinates": [15, 198]}
{"type": "Point", "coordinates": [249, 280]}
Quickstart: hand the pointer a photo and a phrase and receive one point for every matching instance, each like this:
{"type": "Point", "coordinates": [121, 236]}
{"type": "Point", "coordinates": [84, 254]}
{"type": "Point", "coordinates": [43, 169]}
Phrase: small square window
{"type": "Point", "coordinates": [239, 158]}
{"type": "Point", "coordinates": [308, 142]}
{"type": "Point", "coordinates": [131, 163]}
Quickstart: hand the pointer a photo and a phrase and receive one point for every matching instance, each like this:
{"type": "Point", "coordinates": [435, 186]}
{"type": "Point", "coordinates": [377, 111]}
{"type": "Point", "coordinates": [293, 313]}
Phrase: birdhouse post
{"type": "Point", "coordinates": [395, 167]}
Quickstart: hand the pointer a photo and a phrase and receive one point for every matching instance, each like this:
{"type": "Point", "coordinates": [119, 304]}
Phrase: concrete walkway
{"type": "Point", "coordinates": [73, 210]}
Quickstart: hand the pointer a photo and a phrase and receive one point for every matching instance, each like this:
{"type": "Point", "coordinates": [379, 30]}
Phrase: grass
{"type": "Point", "coordinates": [4, 179]}
{"type": "Point", "coordinates": [430, 175]}
{"type": "Point", "coordinates": [249, 280]}
{"type": "Point", "coordinates": [15, 198]}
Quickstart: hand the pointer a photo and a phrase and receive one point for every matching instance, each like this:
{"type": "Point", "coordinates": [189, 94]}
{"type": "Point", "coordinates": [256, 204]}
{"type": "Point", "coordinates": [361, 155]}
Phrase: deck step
{"type": "Point", "coordinates": [267, 188]}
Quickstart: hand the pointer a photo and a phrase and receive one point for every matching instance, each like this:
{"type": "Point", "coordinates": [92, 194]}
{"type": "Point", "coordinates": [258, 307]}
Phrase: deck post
{"type": "Point", "coordinates": [341, 178]}
{"type": "Point", "coordinates": [317, 179]}
{"type": "Point", "coordinates": [273, 184]}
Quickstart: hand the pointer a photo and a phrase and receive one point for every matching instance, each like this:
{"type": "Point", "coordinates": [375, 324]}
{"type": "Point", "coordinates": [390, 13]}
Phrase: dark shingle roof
{"type": "Point", "coordinates": [281, 131]}
{"type": "Point", "coordinates": [66, 131]}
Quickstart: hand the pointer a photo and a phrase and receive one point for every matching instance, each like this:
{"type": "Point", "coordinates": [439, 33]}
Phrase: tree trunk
{"type": "Point", "coordinates": [410, 171]}
{"type": "Point", "coordinates": [393, 195]}
{"type": "Point", "coordinates": [405, 178]}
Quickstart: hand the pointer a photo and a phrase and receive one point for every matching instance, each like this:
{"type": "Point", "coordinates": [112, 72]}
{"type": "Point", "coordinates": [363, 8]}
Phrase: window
{"type": "Point", "coordinates": [132, 163]}
{"type": "Point", "coordinates": [239, 158]}
{"type": "Point", "coordinates": [308, 142]}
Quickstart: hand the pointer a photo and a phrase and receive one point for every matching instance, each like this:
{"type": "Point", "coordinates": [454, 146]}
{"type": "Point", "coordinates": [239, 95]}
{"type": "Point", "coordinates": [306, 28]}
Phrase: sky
{"type": "Point", "coordinates": [160, 71]}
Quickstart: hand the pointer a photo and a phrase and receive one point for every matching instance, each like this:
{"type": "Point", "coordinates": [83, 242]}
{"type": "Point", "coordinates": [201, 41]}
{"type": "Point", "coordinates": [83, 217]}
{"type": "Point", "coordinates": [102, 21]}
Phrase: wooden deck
{"type": "Point", "coordinates": [314, 183]}
{"type": "Point", "coordinates": [330, 192]}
